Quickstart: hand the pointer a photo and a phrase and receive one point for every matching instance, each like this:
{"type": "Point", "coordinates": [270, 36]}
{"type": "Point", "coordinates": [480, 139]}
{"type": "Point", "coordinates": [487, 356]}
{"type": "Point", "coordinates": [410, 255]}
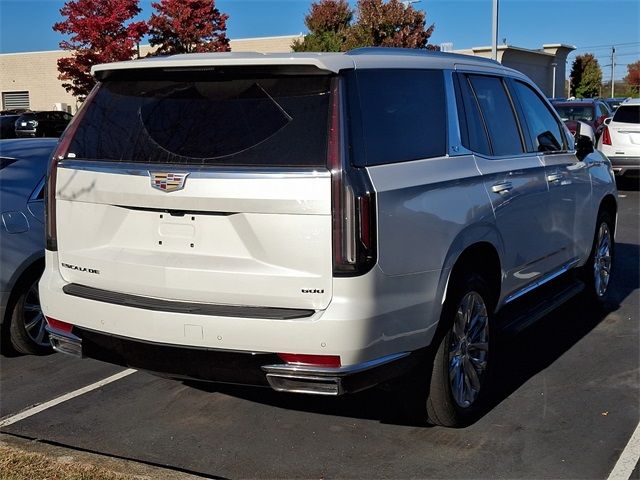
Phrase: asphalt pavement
{"type": "Point", "coordinates": [566, 406]}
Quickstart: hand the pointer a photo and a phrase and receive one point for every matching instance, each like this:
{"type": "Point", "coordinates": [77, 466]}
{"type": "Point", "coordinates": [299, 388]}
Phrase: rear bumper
{"type": "Point", "coordinates": [369, 317]}
{"type": "Point", "coordinates": [246, 368]}
{"type": "Point", "coordinates": [25, 133]}
{"type": "Point", "coordinates": [624, 165]}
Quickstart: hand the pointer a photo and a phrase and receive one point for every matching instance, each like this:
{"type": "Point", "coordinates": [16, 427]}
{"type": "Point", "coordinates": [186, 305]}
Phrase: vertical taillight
{"type": "Point", "coordinates": [353, 202]}
{"type": "Point", "coordinates": [606, 136]}
{"type": "Point", "coordinates": [60, 153]}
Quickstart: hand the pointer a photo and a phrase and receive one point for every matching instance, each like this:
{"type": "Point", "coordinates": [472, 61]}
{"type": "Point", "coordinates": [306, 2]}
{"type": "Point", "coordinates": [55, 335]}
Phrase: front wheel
{"type": "Point", "coordinates": [598, 269]}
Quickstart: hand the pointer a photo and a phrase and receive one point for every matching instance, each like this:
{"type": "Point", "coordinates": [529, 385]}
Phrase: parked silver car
{"type": "Point", "coordinates": [23, 166]}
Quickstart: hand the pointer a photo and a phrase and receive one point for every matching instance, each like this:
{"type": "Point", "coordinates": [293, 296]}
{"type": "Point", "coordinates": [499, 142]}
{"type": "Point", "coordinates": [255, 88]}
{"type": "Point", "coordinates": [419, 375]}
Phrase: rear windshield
{"type": "Point", "coordinates": [208, 118]}
{"type": "Point", "coordinates": [627, 114]}
{"type": "Point", "coordinates": [575, 112]}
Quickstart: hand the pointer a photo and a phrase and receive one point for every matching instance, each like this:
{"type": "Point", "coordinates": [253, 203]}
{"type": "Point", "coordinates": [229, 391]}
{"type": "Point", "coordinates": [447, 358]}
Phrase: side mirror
{"type": "Point", "coordinates": [584, 140]}
{"type": "Point", "coordinates": [607, 120]}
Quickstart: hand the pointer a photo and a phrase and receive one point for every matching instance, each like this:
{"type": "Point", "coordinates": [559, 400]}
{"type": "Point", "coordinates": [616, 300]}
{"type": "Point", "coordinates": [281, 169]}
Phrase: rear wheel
{"type": "Point", "coordinates": [597, 271]}
{"type": "Point", "coordinates": [27, 327]}
{"type": "Point", "coordinates": [454, 394]}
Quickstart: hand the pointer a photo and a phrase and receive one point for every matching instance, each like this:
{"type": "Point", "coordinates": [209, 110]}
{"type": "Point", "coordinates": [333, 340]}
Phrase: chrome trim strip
{"type": "Point", "coordinates": [305, 371]}
{"type": "Point", "coordinates": [63, 342]}
{"type": "Point", "coordinates": [295, 384]}
{"type": "Point", "coordinates": [195, 171]}
{"type": "Point", "coordinates": [541, 281]}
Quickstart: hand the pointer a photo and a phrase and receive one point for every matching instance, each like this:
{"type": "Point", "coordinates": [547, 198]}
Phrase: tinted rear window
{"type": "Point", "coordinates": [402, 113]}
{"type": "Point", "coordinates": [207, 118]}
{"type": "Point", "coordinates": [627, 114]}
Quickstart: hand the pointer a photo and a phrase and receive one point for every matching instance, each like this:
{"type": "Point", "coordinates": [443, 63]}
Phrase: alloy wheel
{"type": "Point", "coordinates": [468, 349]}
{"type": "Point", "coordinates": [602, 260]}
{"type": "Point", "coordinates": [34, 322]}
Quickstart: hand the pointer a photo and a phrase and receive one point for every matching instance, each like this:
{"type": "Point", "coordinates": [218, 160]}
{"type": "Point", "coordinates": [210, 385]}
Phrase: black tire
{"type": "Point", "coordinates": [430, 398]}
{"type": "Point", "coordinates": [32, 341]}
{"type": "Point", "coordinates": [593, 289]}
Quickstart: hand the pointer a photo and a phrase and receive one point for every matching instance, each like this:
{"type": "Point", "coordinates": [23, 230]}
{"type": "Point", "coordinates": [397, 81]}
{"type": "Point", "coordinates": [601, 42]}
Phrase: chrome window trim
{"type": "Point", "coordinates": [195, 171]}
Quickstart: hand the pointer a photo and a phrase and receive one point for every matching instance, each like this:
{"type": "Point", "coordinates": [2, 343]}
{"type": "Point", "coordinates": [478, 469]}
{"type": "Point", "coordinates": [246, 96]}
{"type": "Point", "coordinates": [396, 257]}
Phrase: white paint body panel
{"type": "Point", "coordinates": [243, 241]}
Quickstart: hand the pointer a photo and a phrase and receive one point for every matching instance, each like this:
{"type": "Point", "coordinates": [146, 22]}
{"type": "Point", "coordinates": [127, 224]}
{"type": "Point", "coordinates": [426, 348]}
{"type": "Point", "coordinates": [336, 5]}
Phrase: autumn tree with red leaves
{"type": "Point", "coordinates": [633, 77]}
{"type": "Point", "coordinates": [99, 31]}
{"type": "Point", "coordinates": [378, 23]}
{"type": "Point", "coordinates": [187, 26]}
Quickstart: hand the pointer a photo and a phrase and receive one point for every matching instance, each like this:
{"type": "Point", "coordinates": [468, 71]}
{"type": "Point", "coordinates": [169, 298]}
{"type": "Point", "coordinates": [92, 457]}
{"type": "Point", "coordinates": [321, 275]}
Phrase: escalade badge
{"type": "Point", "coordinates": [168, 182]}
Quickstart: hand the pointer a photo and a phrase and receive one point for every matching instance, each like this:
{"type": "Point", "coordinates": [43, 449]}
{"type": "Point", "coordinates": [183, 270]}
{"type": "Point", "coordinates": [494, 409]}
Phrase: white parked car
{"type": "Point", "coordinates": [320, 223]}
{"type": "Point", "coordinates": [620, 139]}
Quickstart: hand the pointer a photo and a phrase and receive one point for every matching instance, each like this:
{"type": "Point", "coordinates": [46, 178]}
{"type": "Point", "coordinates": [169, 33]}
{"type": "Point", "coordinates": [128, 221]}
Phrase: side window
{"type": "Point", "coordinates": [472, 128]}
{"type": "Point", "coordinates": [402, 114]}
{"type": "Point", "coordinates": [543, 128]}
{"type": "Point", "coordinates": [498, 114]}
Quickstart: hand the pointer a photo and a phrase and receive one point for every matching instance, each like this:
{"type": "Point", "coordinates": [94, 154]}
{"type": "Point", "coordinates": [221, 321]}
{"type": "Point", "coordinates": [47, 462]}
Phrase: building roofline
{"type": "Point", "coordinates": [510, 47]}
{"type": "Point", "coordinates": [559, 45]}
{"type": "Point", "coordinates": [276, 37]}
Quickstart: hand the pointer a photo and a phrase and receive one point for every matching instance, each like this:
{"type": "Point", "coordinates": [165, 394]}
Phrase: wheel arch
{"type": "Point", "coordinates": [610, 204]}
{"type": "Point", "coordinates": [478, 248]}
{"type": "Point", "coordinates": [27, 269]}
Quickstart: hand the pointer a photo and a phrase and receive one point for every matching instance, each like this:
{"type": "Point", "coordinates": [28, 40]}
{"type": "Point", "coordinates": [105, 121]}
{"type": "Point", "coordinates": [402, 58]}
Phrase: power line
{"type": "Point", "coordinates": [608, 46]}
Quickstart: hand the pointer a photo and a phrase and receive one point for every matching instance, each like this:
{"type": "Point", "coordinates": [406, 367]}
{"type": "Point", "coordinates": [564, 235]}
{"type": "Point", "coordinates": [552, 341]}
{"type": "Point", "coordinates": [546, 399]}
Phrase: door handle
{"type": "Point", "coordinates": [502, 187]}
{"type": "Point", "coordinates": [555, 177]}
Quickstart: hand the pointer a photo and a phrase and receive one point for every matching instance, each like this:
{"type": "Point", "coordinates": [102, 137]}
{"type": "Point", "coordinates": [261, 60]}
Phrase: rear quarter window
{"type": "Point", "coordinates": [401, 114]}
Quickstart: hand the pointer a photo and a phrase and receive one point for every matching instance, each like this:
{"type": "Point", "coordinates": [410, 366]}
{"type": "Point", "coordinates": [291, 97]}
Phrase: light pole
{"type": "Point", "coordinates": [407, 3]}
{"type": "Point", "coordinates": [553, 85]}
{"type": "Point", "coordinates": [494, 32]}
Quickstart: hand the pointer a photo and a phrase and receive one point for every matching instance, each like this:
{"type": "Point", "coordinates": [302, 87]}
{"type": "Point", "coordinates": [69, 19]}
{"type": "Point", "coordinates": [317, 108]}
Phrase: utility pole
{"type": "Point", "coordinates": [613, 71]}
{"type": "Point", "coordinates": [494, 32]}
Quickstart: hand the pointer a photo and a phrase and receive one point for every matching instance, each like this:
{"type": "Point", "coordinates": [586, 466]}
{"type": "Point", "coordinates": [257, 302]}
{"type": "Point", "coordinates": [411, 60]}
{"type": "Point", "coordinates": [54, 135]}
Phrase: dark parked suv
{"type": "Point", "coordinates": [42, 124]}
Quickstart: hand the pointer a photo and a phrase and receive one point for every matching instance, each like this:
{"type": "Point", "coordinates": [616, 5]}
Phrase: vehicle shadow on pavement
{"type": "Point", "coordinates": [628, 183]}
{"type": "Point", "coordinates": [517, 358]}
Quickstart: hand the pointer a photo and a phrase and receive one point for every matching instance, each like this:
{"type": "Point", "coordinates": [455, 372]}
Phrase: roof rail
{"type": "Point", "coordinates": [414, 52]}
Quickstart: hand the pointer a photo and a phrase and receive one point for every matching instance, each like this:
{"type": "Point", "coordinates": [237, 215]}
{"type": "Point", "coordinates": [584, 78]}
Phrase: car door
{"type": "Point", "coordinates": [514, 180]}
{"type": "Point", "coordinates": [568, 178]}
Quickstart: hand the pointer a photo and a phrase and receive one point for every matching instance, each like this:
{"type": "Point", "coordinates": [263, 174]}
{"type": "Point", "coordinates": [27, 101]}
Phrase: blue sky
{"type": "Point", "coordinates": [591, 25]}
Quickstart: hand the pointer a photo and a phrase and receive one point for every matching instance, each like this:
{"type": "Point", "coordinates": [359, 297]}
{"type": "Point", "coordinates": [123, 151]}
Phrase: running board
{"type": "Point", "coordinates": [521, 314]}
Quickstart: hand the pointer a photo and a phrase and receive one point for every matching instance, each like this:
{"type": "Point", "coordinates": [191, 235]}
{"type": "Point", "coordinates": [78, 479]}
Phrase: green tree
{"type": "Point", "coordinates": [378, 23]}
{"type": "Point", "coordinates": [328, 22]}
{"type": "Point", "coordinates": [586, 76]}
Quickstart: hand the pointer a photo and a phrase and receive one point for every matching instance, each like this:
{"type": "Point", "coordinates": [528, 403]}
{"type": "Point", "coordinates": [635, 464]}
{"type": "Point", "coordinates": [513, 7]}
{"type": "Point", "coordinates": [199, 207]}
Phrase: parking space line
{"type": "Point", "coordinates": [628, 458]}
{"type": "Point", "coordinates": [63, 398]}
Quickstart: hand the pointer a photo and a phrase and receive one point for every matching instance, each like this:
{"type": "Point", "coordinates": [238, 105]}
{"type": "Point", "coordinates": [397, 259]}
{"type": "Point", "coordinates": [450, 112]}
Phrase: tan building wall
{"type": "Point", "coordinates": [538, 65]}
{"type": "Point", "coordinates": [37, 72]}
